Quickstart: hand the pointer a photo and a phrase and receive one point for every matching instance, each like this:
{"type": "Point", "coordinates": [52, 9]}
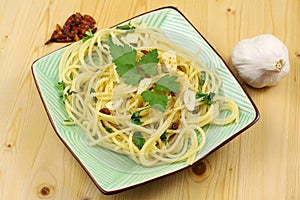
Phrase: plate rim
{"type": "Point", "coordinates": [109, 192]}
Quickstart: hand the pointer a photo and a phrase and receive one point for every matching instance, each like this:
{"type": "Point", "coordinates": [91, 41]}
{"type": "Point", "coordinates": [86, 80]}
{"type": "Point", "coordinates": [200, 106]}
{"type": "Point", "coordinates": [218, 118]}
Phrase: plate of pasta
{"type": "Point", "coordinates": [142, 99]}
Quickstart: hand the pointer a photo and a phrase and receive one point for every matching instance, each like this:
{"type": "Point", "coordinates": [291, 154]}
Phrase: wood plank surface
{"type": "Point", "coordinates": [262, 163]}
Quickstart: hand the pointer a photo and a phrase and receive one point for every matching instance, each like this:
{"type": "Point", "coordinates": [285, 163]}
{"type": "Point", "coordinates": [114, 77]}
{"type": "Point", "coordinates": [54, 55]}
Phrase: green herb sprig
{"type": "Point", "coordinates": [136, 118]}
{"type": "Point", "coordinates": [128, 27]}
{"type": "Point", "coordinates": [89, 35]}
{"type": "Point", "coordinates": [207, 98]}
{"type": "Point", "coordinates": [138, 139]}
{"type": "Point", "coordinates": [61, 86]}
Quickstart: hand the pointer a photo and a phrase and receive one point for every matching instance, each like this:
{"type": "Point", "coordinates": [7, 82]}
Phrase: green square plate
{"type": "Point", "coordinates": [113, 172]}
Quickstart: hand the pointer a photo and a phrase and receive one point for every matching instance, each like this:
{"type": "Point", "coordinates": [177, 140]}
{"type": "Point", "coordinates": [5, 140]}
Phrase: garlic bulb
{"type": "Point", "coordinates": [261, 61]}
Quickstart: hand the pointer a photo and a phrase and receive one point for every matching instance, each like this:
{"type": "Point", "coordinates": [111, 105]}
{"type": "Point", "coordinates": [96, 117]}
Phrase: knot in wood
{"type": "Point", "coordinates": [199, 167]}
{"type": "Point", "coordinates": [45, 191]}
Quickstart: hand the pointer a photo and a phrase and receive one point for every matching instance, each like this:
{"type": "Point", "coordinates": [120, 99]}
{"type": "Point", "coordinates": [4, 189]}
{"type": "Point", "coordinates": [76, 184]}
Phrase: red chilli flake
{"type": "Point", "coordinates": [175, 126]}
{"type": "Point", "coordinates": [105, 111]}
{"type": "Point", "coordinates": [144, 51]}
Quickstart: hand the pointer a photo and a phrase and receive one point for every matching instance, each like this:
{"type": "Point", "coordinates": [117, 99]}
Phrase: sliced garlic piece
{"type": "Point", "coordinates": [144, 83]}
{"type": "Point", "coordinates": [131, 38]}
{"type": "Point", "coordinates": [169, 58]}
{"type": "Point", "coordinates": [116, 74]}
{"type": "Point", "coordinates": [189, 99]}
{"type": "Point", "coordinates": [114, 104]}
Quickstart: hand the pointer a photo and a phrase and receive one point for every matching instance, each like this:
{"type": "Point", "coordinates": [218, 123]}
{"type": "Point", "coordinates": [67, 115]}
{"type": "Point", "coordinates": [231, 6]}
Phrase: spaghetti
{"type": "Point", "coordinates": [115, 109]}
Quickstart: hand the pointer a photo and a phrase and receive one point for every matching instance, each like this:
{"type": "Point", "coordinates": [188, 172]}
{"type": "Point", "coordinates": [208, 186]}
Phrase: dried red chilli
{"type": "Point", "coordinates": [74, 29]}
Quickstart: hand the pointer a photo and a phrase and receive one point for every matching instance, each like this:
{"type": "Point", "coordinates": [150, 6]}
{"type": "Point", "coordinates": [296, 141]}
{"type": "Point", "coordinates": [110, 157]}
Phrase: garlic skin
{"type": "Point", "coordinates": [261, 61]}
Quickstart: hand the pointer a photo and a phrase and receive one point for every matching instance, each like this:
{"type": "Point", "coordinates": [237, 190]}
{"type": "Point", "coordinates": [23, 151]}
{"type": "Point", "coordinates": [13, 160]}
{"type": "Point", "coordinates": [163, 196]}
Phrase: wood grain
{"type": "Point", "coordinates": [262, 163]}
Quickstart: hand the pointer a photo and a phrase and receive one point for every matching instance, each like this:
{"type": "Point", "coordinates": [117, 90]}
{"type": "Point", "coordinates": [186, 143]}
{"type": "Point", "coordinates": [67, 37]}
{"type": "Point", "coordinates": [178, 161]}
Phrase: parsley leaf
{"type": "Point", "coordinates": [207, 98]}
{"type": "Point", "coordinates": [157, 101]}
{"type": "Point", "coordinates": [148, 62]}
{"type": "Point", "coordinates": [167, 83]}
{"type": "Point", "coordinates": [132, 76]}
{"type": "Point", "coordinates": [138, 139]}
{"type": "Point", "coordinates": [123, 57]}
{"type": "Point", "coordinates": [89, 34]}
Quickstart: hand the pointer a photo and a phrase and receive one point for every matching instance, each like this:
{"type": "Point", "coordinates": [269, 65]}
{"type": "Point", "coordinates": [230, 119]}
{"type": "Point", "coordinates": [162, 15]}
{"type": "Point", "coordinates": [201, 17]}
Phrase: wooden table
{"type": "Point", "coordinates": [262, 163]}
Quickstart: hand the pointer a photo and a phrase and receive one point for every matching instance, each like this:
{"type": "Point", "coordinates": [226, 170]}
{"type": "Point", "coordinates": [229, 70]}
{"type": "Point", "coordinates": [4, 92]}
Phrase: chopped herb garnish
{"type": "Point", "coordinates": [92, 90]}
{"type": "Point", "coordinates": [127, 27]}
{"type": "Point", "coordinates": [163, 137]}
{"type": "Point", "coordinates": [71, 76]}
{"type": "Point", "coordinates": [156, 100]}
{"type": "Point", "coordinates": [136, 118]}
{"type": "Point", "coordinates": [69, 122]}
{"type": "Point", "coordinates": [95, 99]}
{"type": "Point", "coordinates": [70, 92]}
{"type": "Point", "coordinates": [108, 129]}
{"type": "Point", "coordinates": [89, 34]}
{"type": "Point", "coordinates": [138, 139]}
{"type": "Point", "coordinates": [207, 98]}
{"type": "Point", "coordinates": [200, 95]}
{"type": "Point", "coordinates": [202, 78]}
{"type": "Point", "coordinates": [65, 96]}
{"type": "Point", "coordinates": [167, 83]}
{"type": "Point", "coordinates": [205, 127]}
{"type": "Point", "coordinates": [61, 86]}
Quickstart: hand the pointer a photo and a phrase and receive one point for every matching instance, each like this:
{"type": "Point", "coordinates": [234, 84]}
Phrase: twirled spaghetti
{"type": "Point", "coordinates": [116, 116]}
